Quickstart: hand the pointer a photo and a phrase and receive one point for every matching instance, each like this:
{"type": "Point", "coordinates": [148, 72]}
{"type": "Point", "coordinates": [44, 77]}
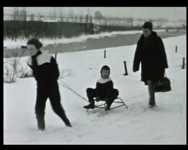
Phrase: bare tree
{"type": "Point", "coordinates": [60, 14]}
{"type": "Point", "coordinates": [81, 18]}
{"type": "Point", "coordinates": [64, 73]}
{"type": "Point", "coordinates": [98, 15]}
{"type": "Point", "coordinates": [39, 17]}
{"type": "Point", "coordinates": [54, 13]}
{"type": "Point", "coordinates": [16, 13]}
{"type": "Point", "coordinates": [139, 21]}
{"type": "Point", "coordinates": [23, 14]}
{"type": "Point", "coordinates": [11, 69]}
{"type": "Point", "coordinates": [32, 17]}
{"type": "Point", "coordinates": [71, 13]}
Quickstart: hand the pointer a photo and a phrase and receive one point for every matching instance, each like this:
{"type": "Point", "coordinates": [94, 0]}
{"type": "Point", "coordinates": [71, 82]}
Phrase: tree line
{"type": "Point", "coordinates": [22, 24]}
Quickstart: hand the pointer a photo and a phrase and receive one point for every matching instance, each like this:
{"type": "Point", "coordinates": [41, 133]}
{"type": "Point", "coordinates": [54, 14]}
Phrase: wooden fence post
{"type": "Point", "coordinates": [104, 53]}
{"type": "Point", "coordinates": [125, 66]}
{"type": "Point", "coordinates": [183, 65]}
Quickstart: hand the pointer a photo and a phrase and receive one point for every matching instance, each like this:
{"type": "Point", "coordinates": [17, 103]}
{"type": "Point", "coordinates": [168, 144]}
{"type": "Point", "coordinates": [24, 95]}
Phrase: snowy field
{"type": "Point", "coordinates": [165, 124]}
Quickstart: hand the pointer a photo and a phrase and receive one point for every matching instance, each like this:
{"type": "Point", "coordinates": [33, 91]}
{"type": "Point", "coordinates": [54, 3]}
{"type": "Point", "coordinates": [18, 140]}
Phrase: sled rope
{"type": "Point", "coordinates": [66, 86]}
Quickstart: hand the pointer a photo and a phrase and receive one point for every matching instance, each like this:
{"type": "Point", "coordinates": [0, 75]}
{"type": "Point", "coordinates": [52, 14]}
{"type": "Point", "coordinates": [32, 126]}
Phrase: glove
{"type": "Point", "coordinates": [135, 70]}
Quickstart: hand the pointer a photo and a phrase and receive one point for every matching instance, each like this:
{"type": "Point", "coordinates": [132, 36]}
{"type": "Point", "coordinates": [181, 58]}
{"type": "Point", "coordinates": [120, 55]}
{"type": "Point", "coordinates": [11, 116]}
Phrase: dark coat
{"type": "Point", "coordinates": [150, 52]}
{"type": "Point", "coordinates": [45, 69]}
{"type": "Point", "coordinates": [104, 87]}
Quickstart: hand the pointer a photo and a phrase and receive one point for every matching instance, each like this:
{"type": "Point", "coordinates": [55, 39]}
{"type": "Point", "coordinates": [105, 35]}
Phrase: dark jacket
{"type": "Point", "coordinates": [45, 68]}
{"type": "Point", "coordinates": [104, 87]}
{"type": "Point", "coordinates": [150, 52]}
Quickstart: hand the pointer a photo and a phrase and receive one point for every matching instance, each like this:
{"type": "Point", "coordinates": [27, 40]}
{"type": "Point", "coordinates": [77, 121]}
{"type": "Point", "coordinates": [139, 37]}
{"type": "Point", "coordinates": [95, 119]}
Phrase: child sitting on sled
{"type": "Point", "coordinates": [104, 90]}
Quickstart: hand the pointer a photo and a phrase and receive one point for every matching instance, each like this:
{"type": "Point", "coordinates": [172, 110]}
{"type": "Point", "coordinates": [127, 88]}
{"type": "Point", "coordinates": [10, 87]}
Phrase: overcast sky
{"type": "Point", "coordinates": [170, 13]}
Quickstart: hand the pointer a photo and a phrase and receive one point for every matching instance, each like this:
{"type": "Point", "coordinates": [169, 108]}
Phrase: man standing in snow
{"type": "Point", "coordinates": [150, 52]}
{"type": "Point", "coordinates": [104, 90]}
{"type": "Point", "coordinates": [46, 73]}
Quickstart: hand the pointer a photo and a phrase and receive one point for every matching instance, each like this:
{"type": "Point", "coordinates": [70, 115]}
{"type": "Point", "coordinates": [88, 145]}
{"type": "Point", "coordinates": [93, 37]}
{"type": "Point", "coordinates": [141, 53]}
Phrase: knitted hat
{"type": "Point", "coordinates": [148, 25]}
{"type": "Point", "coordinates": [35, 42]}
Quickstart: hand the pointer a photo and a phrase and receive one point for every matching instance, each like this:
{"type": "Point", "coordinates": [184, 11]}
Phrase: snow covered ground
{"type": "Point", "coordinates": [165, 124]}
{"type": "Point", "coordinates": [9, 43]}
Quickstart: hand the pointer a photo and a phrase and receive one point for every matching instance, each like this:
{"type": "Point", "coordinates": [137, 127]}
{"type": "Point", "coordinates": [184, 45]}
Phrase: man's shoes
{"type": "Point", "coordinates": [90, 106]}
{"type": "Point", "coordinates": [151, 106]}
{"type": "Point", "coordinates": [69, 125]}
{"type": "Point", "coordinates": [67, 122]}
{"type": "Point", "coordinates": [151, 103]}
{"type": "Point", "coordinates": [42, 128]}
{"type": "Point", "coordinates": [41, 124]}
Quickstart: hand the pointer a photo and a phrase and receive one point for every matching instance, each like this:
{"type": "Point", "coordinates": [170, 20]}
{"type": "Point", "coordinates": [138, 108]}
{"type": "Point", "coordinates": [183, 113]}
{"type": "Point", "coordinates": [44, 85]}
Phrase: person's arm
{"type": "Point", "coordinates": [34, 69]}
{"type": "Point", "coordinates": [136, 61]}
{"type": "Point", "coordinates": [55, 70]}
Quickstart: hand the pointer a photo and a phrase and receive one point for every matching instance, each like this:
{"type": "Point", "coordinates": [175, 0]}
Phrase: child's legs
{"type": "Point", "coordinates": [112, 97]}
{"type": "Point", "coordinates": [91, 93]}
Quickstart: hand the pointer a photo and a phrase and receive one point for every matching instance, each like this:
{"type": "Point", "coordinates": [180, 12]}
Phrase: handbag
{"type": "Point", "coordinates": [162, 85]}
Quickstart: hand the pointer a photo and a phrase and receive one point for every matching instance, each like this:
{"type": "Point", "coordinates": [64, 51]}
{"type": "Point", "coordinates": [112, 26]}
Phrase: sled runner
{"type": "Point", "coordinates": [117, 101]}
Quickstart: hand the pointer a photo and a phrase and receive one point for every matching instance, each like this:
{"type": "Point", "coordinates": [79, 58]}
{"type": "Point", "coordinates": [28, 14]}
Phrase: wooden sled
{"type": "Point", "coordinates": [118, 101]}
